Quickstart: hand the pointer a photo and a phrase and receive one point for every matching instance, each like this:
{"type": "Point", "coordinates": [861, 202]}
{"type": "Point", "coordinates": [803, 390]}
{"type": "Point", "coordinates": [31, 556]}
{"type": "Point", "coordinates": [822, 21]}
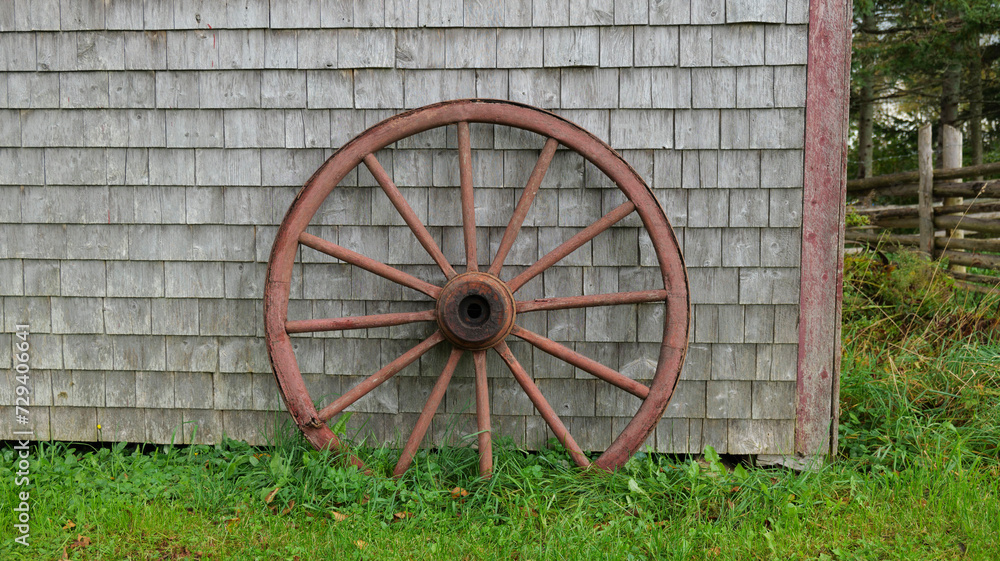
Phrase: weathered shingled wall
{"type": "Point", "coordinates": [150, 148]}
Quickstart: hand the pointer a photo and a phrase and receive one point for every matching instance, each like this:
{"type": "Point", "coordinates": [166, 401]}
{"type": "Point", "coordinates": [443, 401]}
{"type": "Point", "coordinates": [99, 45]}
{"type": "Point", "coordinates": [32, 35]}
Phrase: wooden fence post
{"type": "Point", "coordinates": [951, 157]}
{"type": "Point", "coordinates": [926, 193]}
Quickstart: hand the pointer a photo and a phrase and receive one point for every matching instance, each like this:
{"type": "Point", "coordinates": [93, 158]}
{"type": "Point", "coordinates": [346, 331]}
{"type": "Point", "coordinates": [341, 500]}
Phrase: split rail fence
{"type": "Point", "coordinates": [952, 219]}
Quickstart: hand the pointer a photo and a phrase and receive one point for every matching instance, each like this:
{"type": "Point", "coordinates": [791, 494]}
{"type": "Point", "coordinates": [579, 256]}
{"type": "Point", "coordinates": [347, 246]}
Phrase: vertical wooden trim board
{"type": "Point", "coordinates": [820, 294]}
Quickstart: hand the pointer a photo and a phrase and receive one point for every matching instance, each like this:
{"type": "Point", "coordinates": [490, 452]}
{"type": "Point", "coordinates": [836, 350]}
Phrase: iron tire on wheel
{"type": "Point", "coordinates": [476, 310]}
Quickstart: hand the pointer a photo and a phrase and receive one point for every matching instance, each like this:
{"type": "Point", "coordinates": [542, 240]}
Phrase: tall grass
{"type": "Point", "coordinates": [921, 364]}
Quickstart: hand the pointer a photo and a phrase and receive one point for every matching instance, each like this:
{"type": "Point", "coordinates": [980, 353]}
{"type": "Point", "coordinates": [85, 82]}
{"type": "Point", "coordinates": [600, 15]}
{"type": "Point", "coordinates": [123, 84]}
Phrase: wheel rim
{"type": "Point", "coordinates": [476, 311]}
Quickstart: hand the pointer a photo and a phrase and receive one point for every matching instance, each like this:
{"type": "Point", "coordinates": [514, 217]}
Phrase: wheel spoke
{"type": "Point", "coordinates": [357, 322]}
{"type": "Point", "coordinates": [523, 204]}
{"type": "Point", "coordinates": [592, 300]}
{"type": "Point", "coordinates": [483, 416]}
{"type": "Point", "coordinates": [430, 408]}
{"type": "Point", "coordinates": [468, 197]}
{"type": "Point", "coordinates": [376, 379]}
{"type": "Point", "coordinates": [368, 264]}
{"type": "Point", "coordinates": [572, 244]}
{"type": "Point", "coordinates": [410, 217]}
{"type": "Point", "coordinates": [543, 407]}
{"type": "Point", "coordinates": [566, 354]}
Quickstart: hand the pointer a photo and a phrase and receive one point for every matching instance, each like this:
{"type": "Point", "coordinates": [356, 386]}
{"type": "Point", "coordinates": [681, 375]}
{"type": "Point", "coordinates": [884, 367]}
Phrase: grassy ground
{"type": "Point", "coordinates": [213, 502]}
{"type": "Point", "coordinates": [918, 476]}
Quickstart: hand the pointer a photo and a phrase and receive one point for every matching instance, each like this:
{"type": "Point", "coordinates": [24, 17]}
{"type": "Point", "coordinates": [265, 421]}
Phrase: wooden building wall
{"type": "Point", "coordinates": [148, 149]}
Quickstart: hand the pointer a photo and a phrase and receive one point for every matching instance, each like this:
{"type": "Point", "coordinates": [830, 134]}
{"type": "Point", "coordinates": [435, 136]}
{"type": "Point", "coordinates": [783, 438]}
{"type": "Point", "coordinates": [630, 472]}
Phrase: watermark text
{"type": "Point", "coordinates": [23, 433]}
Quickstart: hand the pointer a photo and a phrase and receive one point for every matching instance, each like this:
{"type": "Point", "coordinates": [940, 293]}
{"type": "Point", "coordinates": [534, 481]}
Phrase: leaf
{"type": "Point", "coordinates": [270, 496]}
{"type": "Point", "coordinates": [360, 544]}
{"type": "Point", "coordinates": [458, 493]}
{"type": "Point", "coordinates": [634, 487]}
{"type": "Point", "coordinates": [711, 455]}
{"type": "Point", "coordinates": [338, 516]}
{"type": "Point", "coordinates": [340, 427]}
{"type": "Point", "coordinates": [739, 472]}
{"type": "Point", "coordinates": [402, 515]}
{"type": "Point", "coordinates": [278, 467]}
{"type": "Point", "coordinates": [81, 541]}
{"type": "Point", "coordinates": [291, 504]}
{"type": "Point", "coordinates": [69, 525]}
{"type": "Point", "coordinates": [233, 466]}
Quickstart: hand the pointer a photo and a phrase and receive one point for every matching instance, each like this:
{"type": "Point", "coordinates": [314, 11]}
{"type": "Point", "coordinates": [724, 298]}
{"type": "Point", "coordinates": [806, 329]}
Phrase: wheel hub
{"type": "Point", "coordinates": [475, 310]}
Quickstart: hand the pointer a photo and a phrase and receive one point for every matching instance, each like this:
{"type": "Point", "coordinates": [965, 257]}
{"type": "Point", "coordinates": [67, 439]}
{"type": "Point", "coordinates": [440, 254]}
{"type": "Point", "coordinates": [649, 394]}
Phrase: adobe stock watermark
{"type": "Point", "coordinates": [23, 433]}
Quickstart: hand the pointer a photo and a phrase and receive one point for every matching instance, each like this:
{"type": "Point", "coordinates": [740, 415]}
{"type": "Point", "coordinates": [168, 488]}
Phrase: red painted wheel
{"type": "Point", "coordinates": [476, 311]}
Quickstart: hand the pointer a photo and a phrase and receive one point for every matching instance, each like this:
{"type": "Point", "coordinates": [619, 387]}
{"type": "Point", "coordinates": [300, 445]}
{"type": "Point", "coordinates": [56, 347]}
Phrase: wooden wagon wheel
{"type": "Point", "coordinates": [475, 310]}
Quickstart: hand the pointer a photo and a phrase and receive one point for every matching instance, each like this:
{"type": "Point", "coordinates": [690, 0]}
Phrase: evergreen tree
{"type": "Point", "coordinates": [923, 62]}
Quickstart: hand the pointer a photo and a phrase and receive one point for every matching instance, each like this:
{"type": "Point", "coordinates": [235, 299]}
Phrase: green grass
{"type": "Point", "coordinates": [917, 477]}
{"type": "Point", "coordinates": [212, 501]}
